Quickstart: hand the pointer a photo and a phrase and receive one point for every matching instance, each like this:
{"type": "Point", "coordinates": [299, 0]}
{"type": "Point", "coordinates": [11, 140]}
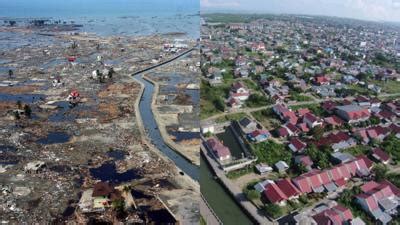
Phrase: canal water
{"type": "Point", "coordinates": [220, 201]}
{"type": "Point", "coordinates": [229, 140]}
{"type": "Point", "coordinates": [154, 134]}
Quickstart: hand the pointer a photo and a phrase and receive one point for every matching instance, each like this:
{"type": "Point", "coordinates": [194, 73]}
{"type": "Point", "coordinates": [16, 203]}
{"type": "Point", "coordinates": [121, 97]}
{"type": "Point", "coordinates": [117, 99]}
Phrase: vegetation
{"type": "Point", "coordinates": [212, 99]}
{"type": "Point", "coordinates": [347, 200]}
{"type": "Point", "coordinates": [230, 117]}
{"type": "Point", "coordinates": [319, 156]}
{"type": "Point", "coordinates": [118, 205]}
{"type": "Point", "coordinates": [358, 150]}
{"type": "Point", "coordinates": [271, 152]}
{"type": "Point", "coordinates": [392, 146]}
{"type": "Point", "coordinates": [267, 118]}
{"type": "Point", "coordinates": [300, 98]}
{"type": "Point", "coordinates": [252, 194]}
{"type": "Point", "coordinates": [257, 100]}
{"type": "Point", "coordinates": [273, 210]}
{"type": "Point", "coordinates": [238, 173]}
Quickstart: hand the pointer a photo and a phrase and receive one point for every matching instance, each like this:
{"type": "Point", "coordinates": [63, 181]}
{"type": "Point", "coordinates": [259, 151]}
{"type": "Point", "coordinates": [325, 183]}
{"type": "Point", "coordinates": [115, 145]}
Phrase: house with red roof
{"type": "Point", "coordinates": [380, 155]}
{"type": "Point", "coordinates": [386, 115]}
{"type": "Point", "coordinates": [220, 151]}
{"type": "Point", "coordinates": [311, 120]}
{"type": "Point", "coordinates": [303, 127]}
{"type": "Point", "coordinates": [321, 80]}
{"type": "Point", "coordinates": [292, 129]}
{"type": "Point", "coordinates": [259, 135]}
{"type": "Point", "coordinates": [380, 200]}
{"type": "Point", "coordinates": [280, 191]}
{"type": "Point", "coordinates": [302, 112]}
{"type": "Point", "coordinates": [331, 179]}
{"type": "Point", "coordinates": [304, 160]}
{"type": "Point", "coordinates": [337, 141]}
{"type": "Point", "coordinates": [353, 113]}
{"type": "Point", "coordinates": [334, 121]}
{"type": "Point", "coordinates": [239, 91]}
{"type": "Point", "coordinates": [259, 46]}
{"type": "Point", "coordinates": [296, 145]}
{"type": "Point", "coordinates": [337, 215]}
{"type": "Point", "coordinates": [377, 133]}
{"type": "Point", "coordinates": [329, 106]}
{"type": "Point", "coordinates": [285, 114]}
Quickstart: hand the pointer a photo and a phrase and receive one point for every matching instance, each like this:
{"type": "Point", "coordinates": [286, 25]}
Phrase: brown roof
{"type": "Point", "coordinates": [102, 189]}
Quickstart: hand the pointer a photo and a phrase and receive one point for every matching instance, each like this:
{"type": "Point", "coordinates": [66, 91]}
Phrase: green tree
{"type": "Point", "coordinates": [273, 210]}
{"type": "Point", "coordinates": [219, 104]}
{"type": "Point", "coordinates": [252, 194]}
{"type": "Point", "coordinates": [317, 132]}
{"type": "Point", "coordinates": [380, 171]}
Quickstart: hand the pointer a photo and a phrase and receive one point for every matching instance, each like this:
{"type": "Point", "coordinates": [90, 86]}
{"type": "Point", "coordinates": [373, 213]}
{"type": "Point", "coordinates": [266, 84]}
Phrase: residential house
{"type": "Point", "coordinates": [321, 80]}
{"type": "Point", "coordinates": [296, 145]}
{"type": "Point", "coordinates": [259, 135]}
{"type": "Point", "coordinates": [263, 168]}
{"type": "Point", "coordinates": [353, 113]}
{"type": "Point", "coordinates": [377, 133]}
{"type": "Point", "coordinates": [311, 120]}
{"type": "Point", "coordinates": [220, 151]}
{"type": "Point", "coordinates": [103, 194]}
{"type": "Point", "coordinates": [247, 125]}
{"type": "Point", "coordinates": [285, 114]}
{"type": "Point", "coordinates": [380, 200]}
{"type": "Point", "coordinates": [239, 91]}
{"type": "Point", "coordinates": [337, 141]}
{"type": "Point", "coordinates": [281, 166]}
{"type": "Point", "coordinates": [304, 160]}
{"type": "Point", "coordinates": [337, 215]}
{"type": "Point", "coordinates": [380, 155]}
{"type": "Point", "coordinates": [334, 121]}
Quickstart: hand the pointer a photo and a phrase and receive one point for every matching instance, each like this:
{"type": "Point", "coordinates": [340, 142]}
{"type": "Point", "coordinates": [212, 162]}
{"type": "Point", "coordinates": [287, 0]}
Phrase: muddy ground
{"type": "Point", "coordinates": [74, 140]}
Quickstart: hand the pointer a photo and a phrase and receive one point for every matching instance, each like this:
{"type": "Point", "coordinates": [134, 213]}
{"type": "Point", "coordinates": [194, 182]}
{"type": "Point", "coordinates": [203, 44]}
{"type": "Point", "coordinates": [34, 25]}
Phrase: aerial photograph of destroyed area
{"type": "Point", "coordinates": [300, 112]}
{"type": "Point", "coordinates": [99, 107]}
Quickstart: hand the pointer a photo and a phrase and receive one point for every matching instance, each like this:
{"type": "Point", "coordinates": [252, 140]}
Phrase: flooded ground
{"type": "Point", "coordinates": [72, 141]}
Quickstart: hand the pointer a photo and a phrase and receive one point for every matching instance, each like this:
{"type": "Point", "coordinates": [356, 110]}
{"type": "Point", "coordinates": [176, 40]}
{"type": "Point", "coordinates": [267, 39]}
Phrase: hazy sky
{"type": "Point", "coordinates": [387, 10]}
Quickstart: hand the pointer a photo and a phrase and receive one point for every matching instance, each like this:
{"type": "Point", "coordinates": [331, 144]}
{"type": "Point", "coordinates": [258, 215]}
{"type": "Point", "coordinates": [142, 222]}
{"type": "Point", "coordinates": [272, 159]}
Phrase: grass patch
{"type": "Point", "coordinates": [271, 152]}
{"type": "Point", "coordinates": [238, 173]}
{"type": "Point", "coordinates": [358, 150]}
{"type": "Point", "coordinates": [267, 118]}
{"type": "Point", "coordinates": [230, 117]}
{"type": "Point", "coordinates": [300, 98]}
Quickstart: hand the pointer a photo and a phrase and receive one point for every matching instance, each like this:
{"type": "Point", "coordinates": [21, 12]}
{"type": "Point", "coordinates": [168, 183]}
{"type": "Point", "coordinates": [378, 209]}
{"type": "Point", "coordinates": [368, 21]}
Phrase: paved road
{"type": "Point", "coordinates": [250, 110]}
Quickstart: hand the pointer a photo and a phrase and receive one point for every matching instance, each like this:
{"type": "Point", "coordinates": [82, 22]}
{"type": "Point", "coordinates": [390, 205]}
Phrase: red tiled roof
{"type": "Point", "coordinates": [283, 132]}
{"type": "Point", "coordinates": [274, 194]}
{"type": "Point", "coordinates": [310, 117]}
{"type": "Point", "coordinates": [303, 127]}
{"type": "Point", "coordinates": [218, 147]}
{"type": "Point", "coordinates": [297, 144]}
{"type": "Point", "coordinates": [302, 112]}
{"type": "Point", "coordinates": [379, 154]}
{"type": "Point", "coordinates": [287, 187]}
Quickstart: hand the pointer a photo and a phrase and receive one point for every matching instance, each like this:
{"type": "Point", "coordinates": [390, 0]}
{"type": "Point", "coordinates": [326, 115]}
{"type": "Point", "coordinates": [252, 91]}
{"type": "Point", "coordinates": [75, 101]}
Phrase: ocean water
{"type": "Point", "coordinates": [112, 17]}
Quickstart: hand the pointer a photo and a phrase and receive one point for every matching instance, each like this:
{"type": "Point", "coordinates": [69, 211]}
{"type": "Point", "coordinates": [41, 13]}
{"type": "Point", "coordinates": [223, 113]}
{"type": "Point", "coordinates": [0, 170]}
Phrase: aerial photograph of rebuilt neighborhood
{"type": "Point", "coordinates": [300, 107]}
{"type": "Point", "coordinates": [99, 112]}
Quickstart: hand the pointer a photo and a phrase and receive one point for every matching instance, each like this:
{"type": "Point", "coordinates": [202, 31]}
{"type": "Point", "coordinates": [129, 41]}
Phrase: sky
{"type": "Point", "coordinates": [376, 10]}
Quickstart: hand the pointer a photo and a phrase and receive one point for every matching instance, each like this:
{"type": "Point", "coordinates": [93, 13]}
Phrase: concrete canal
{"type": "Point", "coordinates": [154, 134]}
{"type": "Point", "coordinates": [220, 201]}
